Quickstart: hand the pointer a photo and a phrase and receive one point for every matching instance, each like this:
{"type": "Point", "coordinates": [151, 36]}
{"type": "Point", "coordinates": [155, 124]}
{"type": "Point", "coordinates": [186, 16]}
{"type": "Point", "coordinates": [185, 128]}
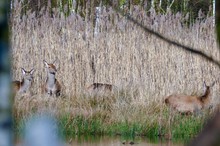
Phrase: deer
{"type": "Point", "coordinates": [26, 83]}
{"type": "Point", "coordinates": [100, 87]}
{"type": "Point", "coordinates": [52, 85]}
{"type": "Point", "coordinates": [189, 104]}
{"type": "Point", "coordinates": [97, 87]}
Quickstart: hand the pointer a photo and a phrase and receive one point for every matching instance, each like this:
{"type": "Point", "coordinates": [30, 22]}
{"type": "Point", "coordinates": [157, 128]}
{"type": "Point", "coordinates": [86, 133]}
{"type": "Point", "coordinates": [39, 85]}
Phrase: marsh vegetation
{"type": "Point", "coordinates": [143, 68]}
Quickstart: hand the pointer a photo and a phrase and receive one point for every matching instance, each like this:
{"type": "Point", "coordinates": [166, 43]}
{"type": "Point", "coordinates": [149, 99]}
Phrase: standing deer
{"type": "Point", "coordinates": [189, 104]}
{"type": "Point", "coordinates": [25, 84]}
{"type": "Point", "coordinates": [52, 86]}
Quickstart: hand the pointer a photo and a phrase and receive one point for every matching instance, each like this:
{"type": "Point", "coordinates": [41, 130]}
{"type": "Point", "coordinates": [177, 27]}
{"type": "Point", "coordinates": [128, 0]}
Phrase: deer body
{"type": "Point", "coordinates": [189, 104]}
{"type": "Point", "coordinates": [52, 86]}
{"type": "Point", "coordinates": [100, 87]}
{"type": "Point", "coordinates": [25, 84]}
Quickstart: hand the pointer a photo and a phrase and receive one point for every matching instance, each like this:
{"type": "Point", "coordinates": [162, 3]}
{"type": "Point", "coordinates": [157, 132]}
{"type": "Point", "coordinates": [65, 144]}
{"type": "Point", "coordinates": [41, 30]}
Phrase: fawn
{"type": "Point", "coordinates": [51, 86]}
{"type": "Point", "coordinates": [25, 84]}
{"type": "Point", "coordinates": [189, 104]}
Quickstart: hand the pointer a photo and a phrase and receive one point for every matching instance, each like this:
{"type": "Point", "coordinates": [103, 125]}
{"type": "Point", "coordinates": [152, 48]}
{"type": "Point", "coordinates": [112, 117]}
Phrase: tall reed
{"type": "Point", "coordinates": [144, 68]}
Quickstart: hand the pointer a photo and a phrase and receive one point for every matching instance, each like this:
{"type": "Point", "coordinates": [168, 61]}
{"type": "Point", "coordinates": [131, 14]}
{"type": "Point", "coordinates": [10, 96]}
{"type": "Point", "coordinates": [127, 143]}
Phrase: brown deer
{"type": "Point", "coordinates": [189, 104]}
{"type": "Point", "coordinates": [51, 86]}
{"type": "Point", "coordinates": [25, 84]}
{"type": "Point", "coordinates": [100, 87]}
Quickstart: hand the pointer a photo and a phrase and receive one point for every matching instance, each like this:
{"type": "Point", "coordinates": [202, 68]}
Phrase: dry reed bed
{"type": "Point", "coordinates": [123, 55]}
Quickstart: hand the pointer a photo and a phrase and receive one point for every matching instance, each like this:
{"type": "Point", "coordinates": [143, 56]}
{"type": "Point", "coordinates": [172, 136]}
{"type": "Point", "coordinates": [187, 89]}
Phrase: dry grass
{"type": "Point", "coordinates": [123, 55]}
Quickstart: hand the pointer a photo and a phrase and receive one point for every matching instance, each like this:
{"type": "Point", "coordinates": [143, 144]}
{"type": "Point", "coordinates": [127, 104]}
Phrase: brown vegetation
{"type": "Point", "coordinates": [143, 68]}
{"type": "Point", "coordinates": [124, 55]}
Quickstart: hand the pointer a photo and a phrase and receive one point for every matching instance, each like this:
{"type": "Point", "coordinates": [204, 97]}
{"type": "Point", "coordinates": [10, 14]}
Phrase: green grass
{"type": "Point", "coordinates": [187, 127]}
{"type": "Point", "coordinates": [182, 127]}
{"type": "Point", "coordinates": [100, 116]}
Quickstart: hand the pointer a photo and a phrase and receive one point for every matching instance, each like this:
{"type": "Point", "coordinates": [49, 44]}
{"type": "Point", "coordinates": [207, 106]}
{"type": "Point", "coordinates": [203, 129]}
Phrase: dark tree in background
{"type": "Point", "coordinates": [161, 6]}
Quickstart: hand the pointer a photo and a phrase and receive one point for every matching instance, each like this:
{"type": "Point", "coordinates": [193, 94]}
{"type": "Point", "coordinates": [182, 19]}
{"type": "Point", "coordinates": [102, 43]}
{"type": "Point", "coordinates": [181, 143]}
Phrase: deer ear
{"type": "Point", "coordinates": [213, 84]}
{"type": "Point", "coordinates": [56, 63]}
{"type": "Point", "coordinates": [204, 84]}
{"type": "Point", "coordinates": [23, 71]}
{"type": "Point", "coordinates": [45, 62]}
{"type": "Point", "coordinates": [32, 71]}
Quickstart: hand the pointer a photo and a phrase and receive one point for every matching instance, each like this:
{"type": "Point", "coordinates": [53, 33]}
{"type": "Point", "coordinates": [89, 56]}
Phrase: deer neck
{"type": "Point", "coordinates": [205, 98]}
{"type": "Point", "coordinates": [51, 79]}
{"type": "Point", "coordinates": [25, 85]}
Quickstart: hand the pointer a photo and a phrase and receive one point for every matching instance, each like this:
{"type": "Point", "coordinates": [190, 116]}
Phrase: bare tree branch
{"type": "Point", "coordinates": [158, 35]}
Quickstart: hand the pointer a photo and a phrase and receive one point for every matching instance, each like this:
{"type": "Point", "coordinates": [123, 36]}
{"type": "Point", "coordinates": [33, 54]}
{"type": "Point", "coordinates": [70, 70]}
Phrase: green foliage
{"type": "Point", "coordinates": [80, 125]}
{"type": "Point", "coordinates": [182, 127]}
{"type": "Point", "coordinates": [122, 2]}
{"type": "Point", "coordinates": [81, 6]}
{"type": "Point", "coordinates": [187, 126]}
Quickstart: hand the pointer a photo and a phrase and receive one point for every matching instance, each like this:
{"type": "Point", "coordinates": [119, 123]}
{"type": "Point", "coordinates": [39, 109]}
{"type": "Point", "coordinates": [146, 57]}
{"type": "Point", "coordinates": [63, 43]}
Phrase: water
{"type": "Point", "coordinates": [119, 141]}
{"type": "Point", "coordinates": [115, 141]}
